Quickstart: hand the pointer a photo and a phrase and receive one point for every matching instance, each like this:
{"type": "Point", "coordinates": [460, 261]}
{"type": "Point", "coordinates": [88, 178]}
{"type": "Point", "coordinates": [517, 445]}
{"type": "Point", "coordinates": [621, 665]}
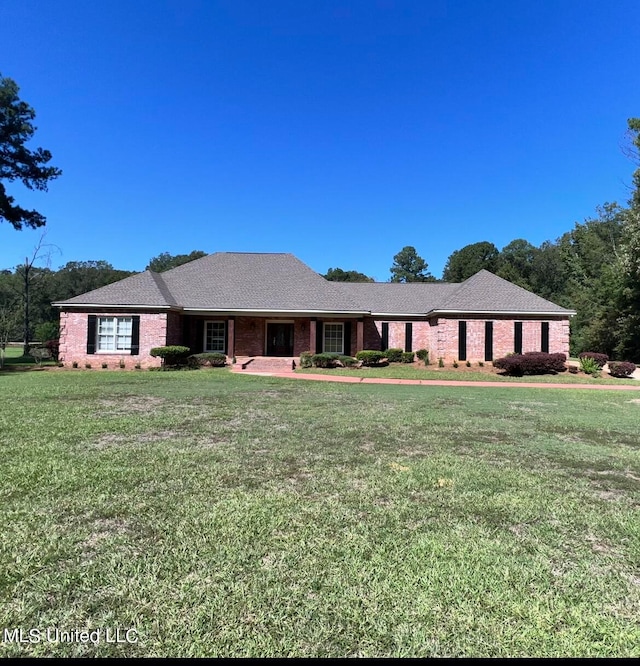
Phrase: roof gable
{"type": "Point", "coordinates": [486, 292]}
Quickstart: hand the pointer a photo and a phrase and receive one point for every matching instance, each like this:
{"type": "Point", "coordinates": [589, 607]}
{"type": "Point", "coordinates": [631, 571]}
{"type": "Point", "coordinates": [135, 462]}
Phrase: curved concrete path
{"type": "Point", "coordinates": [437, 382]}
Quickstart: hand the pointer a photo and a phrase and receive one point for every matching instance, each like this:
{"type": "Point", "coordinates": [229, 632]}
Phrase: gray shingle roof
{"type": "Point", "coordinates": [145, 288]}
{"type": "Point", "coordinates": [399, 298]}
{"type": "Point", "coordinates": [253, 281]}
{"type": "Point", "coordinates": [486, 292]}
{"type": "Point", "coordinates": [236, 281]}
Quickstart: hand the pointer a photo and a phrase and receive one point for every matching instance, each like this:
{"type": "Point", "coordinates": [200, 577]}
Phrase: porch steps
{"type": "Point", "coordinates": [264, 364]}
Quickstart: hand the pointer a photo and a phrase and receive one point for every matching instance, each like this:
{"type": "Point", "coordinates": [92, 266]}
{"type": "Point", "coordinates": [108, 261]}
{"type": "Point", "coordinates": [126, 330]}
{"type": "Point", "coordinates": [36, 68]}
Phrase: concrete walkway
{"type": "Point", "coordinates": [437, 382]}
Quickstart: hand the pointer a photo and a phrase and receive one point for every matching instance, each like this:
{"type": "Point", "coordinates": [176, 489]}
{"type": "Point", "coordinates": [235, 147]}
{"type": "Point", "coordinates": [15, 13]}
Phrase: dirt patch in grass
{"type": "Point", "coordinates": [105, 530]}
{"type": "Point", "coordinates": [130, 404]}
{"type": "Point", "coordinates": [610, 495]}
{"type": "Point", "coordinates": [119, 440]}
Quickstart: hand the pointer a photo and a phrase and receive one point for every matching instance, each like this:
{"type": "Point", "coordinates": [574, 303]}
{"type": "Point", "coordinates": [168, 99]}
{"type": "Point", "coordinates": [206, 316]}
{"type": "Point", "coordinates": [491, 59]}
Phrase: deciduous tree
{"type": "Point", "coordinates": [338, 275]}
{"type": "Point", "coordinates": [165, 261]}
{"type": "Point", "coordinates": [464, 263]}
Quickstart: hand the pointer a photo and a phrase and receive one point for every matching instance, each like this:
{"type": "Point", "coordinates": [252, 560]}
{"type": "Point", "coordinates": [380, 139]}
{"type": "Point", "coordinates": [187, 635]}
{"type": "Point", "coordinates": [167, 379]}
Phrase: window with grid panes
{"type": "Point", "coordinates": [334, 338]}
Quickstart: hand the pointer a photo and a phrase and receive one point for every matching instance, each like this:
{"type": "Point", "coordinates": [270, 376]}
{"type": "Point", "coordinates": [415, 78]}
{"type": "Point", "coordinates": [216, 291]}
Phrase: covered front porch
{"type": "Point", "coordinates": [268, 335]}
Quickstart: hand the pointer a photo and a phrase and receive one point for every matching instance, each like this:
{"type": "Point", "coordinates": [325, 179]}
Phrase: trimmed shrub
{"type": "Point", "coordinates": [393, 355]}
{"type": "Point", "coordinates": [531, 363]}
{"type": "Point", "coordinates": [621, 369]}
{"type": "Point", "coordinates": [468, 364]}
{"type": "Point", "coordinates": [455, 364]}
{"type": "Point", "coordinates": [171, 355]}
{"type": "Point", "coordinates": [348, 361]}
{"type": "Point", "coordinates": [213, 359]}
{"type": "Point", "coordinates": [370, 357]}
{"type": "Point", "coordinates": [600, 359]}
{"type": "Point", "coordinates": [306, 359]}
{"type": "Point", "coordinates": [407, 357]}
{"type": "Point", "coordinates": [423, 355]}
{"type": "Point", "coordinates": [74, 364]}
{"type": "Point", "coordinates": [441, 362]}
{"type": "Point", "coordinates": [573, 370]}
{"type": "Point", "coordinates": [325, 360]}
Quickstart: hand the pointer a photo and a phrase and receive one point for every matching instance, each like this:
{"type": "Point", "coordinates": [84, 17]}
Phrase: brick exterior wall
{"type": "Point", "coordinates": [421, 335]}
{"type": "Point", "coordinates": [73, 339]}
{"type": "Point", "coordinates": [503, 337]}
{"type": "Point", "coordinates": [438, 335]}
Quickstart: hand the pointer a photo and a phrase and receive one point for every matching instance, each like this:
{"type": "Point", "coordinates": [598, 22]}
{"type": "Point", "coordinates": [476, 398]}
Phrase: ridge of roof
{"type": "Point", "coordinates": [258, 281]}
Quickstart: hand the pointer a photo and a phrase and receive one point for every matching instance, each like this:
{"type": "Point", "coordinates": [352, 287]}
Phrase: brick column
{"type": "Point", "coordinates": [312, 336]}
{"type": "Point", "coordinates": [360, 335]}
{"type": "Point", "coordinates": [231, 337]}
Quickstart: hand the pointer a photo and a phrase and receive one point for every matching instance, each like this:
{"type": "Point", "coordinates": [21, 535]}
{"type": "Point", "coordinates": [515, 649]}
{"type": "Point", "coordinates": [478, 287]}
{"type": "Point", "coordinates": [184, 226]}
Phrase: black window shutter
{"type": "Point", "coordinates": [408, 336]}
{"type": "Point", "coordinates": [544, 343]}
{"type": "Point", "coordinates": [462, 340]}
{"type": "Point", "coordinates": [384, 344]}
{"type": "Point", "coordinates": [319, 337]}
{"type": "Point", "coordinates": [135, 335]}
{"type": "Point", "coordinates": [347, 338]}
{"type": "Point", "coordinates": [488, 341]}
{"type": "Point", "coordinates": [517, 337]}
{"type": "Point", "coordinates": [92, 321]}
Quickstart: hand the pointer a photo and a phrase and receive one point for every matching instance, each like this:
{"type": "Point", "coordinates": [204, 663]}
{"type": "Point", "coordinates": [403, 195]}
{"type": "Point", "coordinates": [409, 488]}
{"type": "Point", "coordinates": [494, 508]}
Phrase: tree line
{"type": "Point", "coordinates": [593, 268]}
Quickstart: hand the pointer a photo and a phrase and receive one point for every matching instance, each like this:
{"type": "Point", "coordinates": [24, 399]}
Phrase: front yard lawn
{"type": "Point", "coordinates": [227, 515]}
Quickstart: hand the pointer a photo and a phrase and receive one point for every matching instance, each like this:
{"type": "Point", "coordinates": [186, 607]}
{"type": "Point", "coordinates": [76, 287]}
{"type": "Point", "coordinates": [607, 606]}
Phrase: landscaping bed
{"type": "Point", "coordinates": [418, 370]}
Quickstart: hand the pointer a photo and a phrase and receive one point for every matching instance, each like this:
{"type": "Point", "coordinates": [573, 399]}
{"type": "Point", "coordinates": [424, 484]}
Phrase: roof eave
{"type": "Point", "coordinates": [275, 311]}
{"type": "Point", "coordinates": [128, 306]}
{"type": "Point", "coordinates": [528, 313]}
{"type": "Point", "coordinates": [398, 314]}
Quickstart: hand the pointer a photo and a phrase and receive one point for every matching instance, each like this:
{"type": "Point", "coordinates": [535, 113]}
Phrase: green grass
{"type": "Point", "coordinates": [230, 515]}
{"type": "Point", "coordinates": [402, 371]}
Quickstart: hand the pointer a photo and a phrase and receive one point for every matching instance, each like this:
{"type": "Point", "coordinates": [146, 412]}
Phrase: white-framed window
{"type": "Point", "coordinates": [114, 334]}
{"type": "Point", "coordinates": [214, 338]}
{"type": "Point", "coordinates": [334, 338]}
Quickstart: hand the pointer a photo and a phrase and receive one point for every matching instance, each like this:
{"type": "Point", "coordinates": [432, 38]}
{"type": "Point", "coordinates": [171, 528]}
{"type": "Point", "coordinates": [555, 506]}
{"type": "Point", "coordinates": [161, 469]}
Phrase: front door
{"type": "Point", "coordinates": [279, 339]}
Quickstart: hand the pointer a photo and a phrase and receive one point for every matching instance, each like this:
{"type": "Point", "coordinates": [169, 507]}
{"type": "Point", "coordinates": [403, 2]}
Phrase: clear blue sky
{"type": "Point", "coordinates": [337, 130]}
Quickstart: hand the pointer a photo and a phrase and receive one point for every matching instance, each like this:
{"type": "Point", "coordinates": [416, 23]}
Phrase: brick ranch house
{"type": "Point", "coordinates": [254, 305]}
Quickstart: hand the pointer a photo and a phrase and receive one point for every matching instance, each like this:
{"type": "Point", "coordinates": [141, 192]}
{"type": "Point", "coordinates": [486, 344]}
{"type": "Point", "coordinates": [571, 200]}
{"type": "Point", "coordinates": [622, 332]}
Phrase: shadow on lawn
{"type": "Point", "coordinates": [25, 363]}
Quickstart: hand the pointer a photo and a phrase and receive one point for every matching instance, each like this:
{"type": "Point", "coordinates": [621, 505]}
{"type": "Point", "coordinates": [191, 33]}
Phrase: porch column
{"type": "Point", "coordinates": [231, 337]}
{"type": "Point", "coordinates": [312, 336]}
{"type": "Point", "coordinates": [360, 335]}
